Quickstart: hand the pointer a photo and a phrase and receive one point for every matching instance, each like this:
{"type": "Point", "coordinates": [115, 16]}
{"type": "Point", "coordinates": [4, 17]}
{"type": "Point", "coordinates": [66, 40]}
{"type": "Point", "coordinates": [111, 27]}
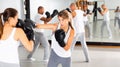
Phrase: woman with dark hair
{"type": "Point", "coordinates": [10, 37]}
{"type": "Point", "coordinates": [117, 16]}
{"type": "Point", "coordinates": [61, 40]}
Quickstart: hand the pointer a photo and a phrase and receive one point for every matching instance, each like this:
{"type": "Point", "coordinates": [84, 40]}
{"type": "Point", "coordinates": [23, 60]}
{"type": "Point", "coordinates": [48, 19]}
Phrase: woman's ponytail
{"type": "Point", "coordinates": [70, 24]}
{"type": "Point", "coordinates": [70, 20]}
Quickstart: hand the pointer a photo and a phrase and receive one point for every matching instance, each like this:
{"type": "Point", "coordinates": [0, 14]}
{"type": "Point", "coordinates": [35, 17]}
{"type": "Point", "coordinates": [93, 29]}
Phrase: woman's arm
{"type": "Point", "coordinates": [47, 26]}
{"type": "Point", "coordinates": [23, 38]}
{"type": "Point", "coordinates": [70, 40]}
{"type": "Point", "coordinates": [73, 14]}
{"type": "Point", "coordinates": [46, 20]}
{"type": "Point", "coordinates": [104, 11]}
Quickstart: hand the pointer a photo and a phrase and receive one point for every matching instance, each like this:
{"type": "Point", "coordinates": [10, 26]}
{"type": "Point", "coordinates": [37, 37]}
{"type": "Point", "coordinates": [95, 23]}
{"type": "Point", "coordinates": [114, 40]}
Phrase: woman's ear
{"type": "Point", "coordinates": [10, 18]}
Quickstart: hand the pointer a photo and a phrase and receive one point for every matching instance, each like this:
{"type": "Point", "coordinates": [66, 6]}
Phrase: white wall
{"type": "Point", "coordinates": [17, 4]}
{"type": "Point", "coordinates": [112, 4]}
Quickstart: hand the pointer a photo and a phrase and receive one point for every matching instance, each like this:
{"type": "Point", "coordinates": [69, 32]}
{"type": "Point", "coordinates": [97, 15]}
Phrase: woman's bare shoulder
{"type": "Point", "coordinates": [19, 30]}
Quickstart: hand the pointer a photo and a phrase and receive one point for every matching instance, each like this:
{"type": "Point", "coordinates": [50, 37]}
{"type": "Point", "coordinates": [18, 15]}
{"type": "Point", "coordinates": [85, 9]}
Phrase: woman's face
{"type": "Point", "coordinates": [72, 7]}
{"type": "Point", "coordinates": [41, 11]}
{"type": "Point", "coordinates": [103, 6]}
{"type": "Point", "coordinates": [85, 8]}
{"type": "Point", "coordinates": [63, 22]}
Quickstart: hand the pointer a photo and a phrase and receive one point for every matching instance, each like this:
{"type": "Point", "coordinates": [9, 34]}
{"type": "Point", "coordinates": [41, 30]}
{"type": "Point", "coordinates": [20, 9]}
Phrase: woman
{"type": "Point", "coordinates": [10, 37]}
{"type": "Point", "coordinates": [116, 16]}
{"type": "Point", "coordinates": [106, 20]}
{"type": "Point", "coordinates": [60, 55]}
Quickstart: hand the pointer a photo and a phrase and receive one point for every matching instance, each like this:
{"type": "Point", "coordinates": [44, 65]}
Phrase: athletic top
{"type": "Point", "coordinates": [85, 18]}
{"type": "Point", "coordinates": [37, 20]}
{"type": "Point", "coordinates": [78, 21]}
{"type": "Point", "coordinates": [106, 16]}
{"type": "Point", "coordinates": [57, 48]}
{"type": "Point", "coordinates": [9, 49]}
{"type": "Point", "coordinates": [117, 14]}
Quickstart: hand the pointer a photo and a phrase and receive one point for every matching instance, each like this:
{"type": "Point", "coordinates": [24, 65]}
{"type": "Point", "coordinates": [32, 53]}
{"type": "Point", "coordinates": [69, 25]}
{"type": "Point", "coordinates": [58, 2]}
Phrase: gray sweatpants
{"type": "Point", "coordinates": [81, 37]}
{"type": "Point", "coordinates": [41, 38]}
{"type": "Point", "coordinates": [55, 60]}
{"type": "Point", "coordinates": [88, 27]}
{"type": "Point", "coordinates": [2, 64]}
{"type": "Point", "coordinates": [106, 23]}
{"type": "Point", "coordinates": [119, 22]}
{"type": "Point", "coordinates": [116, 20]}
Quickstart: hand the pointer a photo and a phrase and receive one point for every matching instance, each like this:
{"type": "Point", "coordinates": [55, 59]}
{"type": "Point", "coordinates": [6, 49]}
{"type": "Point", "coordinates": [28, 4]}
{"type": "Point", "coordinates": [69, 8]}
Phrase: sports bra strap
{"type": "Point", "coordinates": [13, 32]}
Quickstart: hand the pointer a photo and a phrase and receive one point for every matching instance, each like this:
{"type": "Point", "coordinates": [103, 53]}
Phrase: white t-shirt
{"type": "Point", "coordinates": [117, 14]}
{"type": "Point", "coordinates": [78, 22]}
{"type": "Point", "coordinates": [60, 51]}
{"type": "Point", "coordinates": [106, 16]}
{"type": "Point", "coordinates": [37, 20]}
{"type": "Point", "coordinates": [85, 17]}
{"type": "Point", "coordinates": [9, 49]}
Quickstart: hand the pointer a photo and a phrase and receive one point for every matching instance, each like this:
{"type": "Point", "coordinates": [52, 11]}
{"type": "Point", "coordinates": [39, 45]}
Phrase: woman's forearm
{"type": "Point", "coordinates": [45, 26]}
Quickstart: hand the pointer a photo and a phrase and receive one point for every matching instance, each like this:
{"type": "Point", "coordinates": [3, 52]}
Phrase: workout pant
{"type": "Point", "coordinates": [41, 38]}
{"type": "Point", "coordinates": [119, 23]}
{"type": "Point", "coordinates": [88, 27]}
{"type": "Point", "coordinates": [55, 60]}
{"type": "Point", "coordinates": [117, 20]}
{"type": "Point", "coordinates": [2, 64]}
{"type": "Point", "coordinates": [106, 23]}
{"type": "Point", "coordinates": [81, 37]}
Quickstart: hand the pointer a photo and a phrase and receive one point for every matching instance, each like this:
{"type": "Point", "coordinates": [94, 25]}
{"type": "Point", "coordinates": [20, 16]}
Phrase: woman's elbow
{"type": "Point", "coordinates": [66, 48]}
{"type": "Point", "coordinates": [30, 49]}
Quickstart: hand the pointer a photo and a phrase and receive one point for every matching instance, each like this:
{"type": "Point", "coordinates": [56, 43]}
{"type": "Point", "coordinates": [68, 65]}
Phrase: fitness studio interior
{"type": "Point", "coordinates": [94, 43]}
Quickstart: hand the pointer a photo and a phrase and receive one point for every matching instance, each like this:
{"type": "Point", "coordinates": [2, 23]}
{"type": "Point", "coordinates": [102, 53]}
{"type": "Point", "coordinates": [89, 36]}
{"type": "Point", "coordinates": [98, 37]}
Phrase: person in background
{"type": "Point", "coordinates": [117, 17]}
{"type": "Point", "coordinates": [106, 20]}
{"type": "Point", "coordinates": [42, 18]}
{"type": "Point", "coordinates": [78, 25]}
{"type": "Point", "coordinates": [86, 22]}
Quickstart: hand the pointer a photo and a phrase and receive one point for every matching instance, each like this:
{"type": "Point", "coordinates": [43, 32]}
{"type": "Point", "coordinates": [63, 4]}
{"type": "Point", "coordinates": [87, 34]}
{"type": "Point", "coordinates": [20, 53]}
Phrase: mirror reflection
{"type": "Point", "coordinates": [96, 30]}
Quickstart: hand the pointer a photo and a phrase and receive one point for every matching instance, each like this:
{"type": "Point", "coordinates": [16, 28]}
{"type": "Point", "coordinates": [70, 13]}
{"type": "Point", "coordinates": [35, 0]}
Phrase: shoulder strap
{"type": "Point", "coordinates": [13, 32]}
{"type": "Point", "coordinates": [58, 27]}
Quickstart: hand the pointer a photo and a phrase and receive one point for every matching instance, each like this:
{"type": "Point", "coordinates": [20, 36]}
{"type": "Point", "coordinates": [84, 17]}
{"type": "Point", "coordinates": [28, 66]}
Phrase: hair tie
{"type": "Point", "coordinates": [2, 18]}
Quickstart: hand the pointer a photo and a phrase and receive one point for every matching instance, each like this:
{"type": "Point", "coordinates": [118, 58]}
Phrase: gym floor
{"type": "Point", "coordinates": [101, 56]}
